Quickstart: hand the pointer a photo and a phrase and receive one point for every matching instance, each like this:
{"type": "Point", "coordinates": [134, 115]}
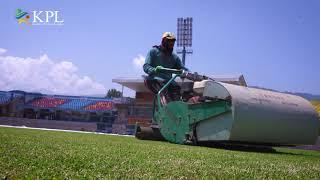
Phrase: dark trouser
{"type": "Point", "coordinates": [171, 93]}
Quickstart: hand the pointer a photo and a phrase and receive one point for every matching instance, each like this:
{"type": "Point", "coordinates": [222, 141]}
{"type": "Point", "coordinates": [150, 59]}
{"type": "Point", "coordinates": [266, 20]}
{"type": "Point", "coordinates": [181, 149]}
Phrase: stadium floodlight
{"type": "Point", "coordinates": [184, 32]}
{"type": "Point", "coordinates": [184, 36]}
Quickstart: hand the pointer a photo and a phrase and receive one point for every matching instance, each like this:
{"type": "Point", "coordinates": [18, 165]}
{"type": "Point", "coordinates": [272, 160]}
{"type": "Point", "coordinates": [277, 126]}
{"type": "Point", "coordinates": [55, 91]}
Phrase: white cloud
{"type": "Point", "coordinates": [46, 76]}
{"type": "Point", "coordinates": [138, 64]}
{"type": "Point", "coordinates": [2, 51]}
{"type": "Point", "coordinates": [138, 61]}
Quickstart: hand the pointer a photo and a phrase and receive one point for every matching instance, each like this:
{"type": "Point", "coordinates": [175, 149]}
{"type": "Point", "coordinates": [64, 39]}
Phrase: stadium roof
{"type": "Point", "coordinates": [137, 84]}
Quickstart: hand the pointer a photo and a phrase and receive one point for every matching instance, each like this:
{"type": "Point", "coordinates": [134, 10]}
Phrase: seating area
{"type": "Point", "coordinates": [4, 99]}
{"type": "Point", "coordinates": [108, 115]}
{"type": "Point", "coordinates": [100, 106]}
{"type": "Point", "coordinates": [48, 102]}
{"type": "Point", "coordinates": [76, 104]}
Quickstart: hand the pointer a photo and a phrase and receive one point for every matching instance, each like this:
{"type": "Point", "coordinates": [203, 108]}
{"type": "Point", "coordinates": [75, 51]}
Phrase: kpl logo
{"type": "Point", "coordinates": [39, 17]}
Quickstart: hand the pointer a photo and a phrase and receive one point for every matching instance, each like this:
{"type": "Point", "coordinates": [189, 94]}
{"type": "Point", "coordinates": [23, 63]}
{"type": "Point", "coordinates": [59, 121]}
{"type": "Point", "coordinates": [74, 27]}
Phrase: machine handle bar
{"type": "Point", "coordinates": [174, 71]}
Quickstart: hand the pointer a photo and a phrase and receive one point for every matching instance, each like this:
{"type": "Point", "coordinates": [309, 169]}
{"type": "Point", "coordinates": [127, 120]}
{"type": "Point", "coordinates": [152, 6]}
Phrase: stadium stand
{"type": "Point", "coordinates": [32, 109]}
{"type": "Point", "coordinates": [76, 104]}
{"type": "Point", "coordinates": [100, 106]}
{"type": "Point", "coordinates": [4, 98]}
{"type": "Point", "coordinates": [47, 102]}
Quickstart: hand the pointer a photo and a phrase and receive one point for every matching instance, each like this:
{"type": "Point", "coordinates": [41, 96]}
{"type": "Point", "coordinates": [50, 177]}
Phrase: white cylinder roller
{"type": "Point", "coordinates": [259, 116]}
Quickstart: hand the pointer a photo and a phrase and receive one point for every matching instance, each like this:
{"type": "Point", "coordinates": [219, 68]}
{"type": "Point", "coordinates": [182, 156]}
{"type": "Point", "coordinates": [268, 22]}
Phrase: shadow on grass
{"type": "Point", "coordinates": [250, 148]}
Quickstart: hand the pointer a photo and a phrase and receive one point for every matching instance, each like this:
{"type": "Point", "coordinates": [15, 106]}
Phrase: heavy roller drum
{"type": "Point", "coordinates": [233, 114]}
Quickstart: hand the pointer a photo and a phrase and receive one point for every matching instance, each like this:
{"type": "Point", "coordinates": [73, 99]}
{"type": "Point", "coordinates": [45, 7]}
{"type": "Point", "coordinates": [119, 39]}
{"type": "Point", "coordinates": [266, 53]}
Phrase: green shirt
{"type": "Point", "coordinates": [156, 57]}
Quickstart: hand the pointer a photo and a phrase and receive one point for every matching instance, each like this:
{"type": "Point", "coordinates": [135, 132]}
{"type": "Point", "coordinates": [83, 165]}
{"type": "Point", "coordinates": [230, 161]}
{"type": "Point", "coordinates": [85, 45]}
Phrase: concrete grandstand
{"type": "Point", "coordinates": [66, 112]}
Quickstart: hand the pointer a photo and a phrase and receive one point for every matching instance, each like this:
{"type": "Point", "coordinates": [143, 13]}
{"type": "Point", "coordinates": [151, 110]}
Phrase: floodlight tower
{"type": "Point", "coordinates": [184, 37]}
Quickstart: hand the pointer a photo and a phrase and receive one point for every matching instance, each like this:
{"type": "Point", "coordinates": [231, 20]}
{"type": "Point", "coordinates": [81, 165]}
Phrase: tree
{"type": "Point", "coordinates": [113, 93]}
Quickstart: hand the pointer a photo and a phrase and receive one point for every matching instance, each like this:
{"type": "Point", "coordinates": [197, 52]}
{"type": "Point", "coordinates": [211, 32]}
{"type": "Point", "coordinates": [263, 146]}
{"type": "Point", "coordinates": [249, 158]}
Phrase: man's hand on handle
{"type": "Point", "coordinates": [157, 69]}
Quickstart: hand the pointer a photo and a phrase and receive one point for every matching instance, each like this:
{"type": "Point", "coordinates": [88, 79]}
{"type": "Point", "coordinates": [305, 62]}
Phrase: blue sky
{"type": "Point", "coordinates": [274, 44]}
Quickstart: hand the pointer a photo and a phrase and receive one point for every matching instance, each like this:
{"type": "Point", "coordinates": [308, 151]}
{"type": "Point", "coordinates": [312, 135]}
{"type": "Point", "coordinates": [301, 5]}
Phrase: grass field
{"type": "Point", "coordinates": [26, 153]}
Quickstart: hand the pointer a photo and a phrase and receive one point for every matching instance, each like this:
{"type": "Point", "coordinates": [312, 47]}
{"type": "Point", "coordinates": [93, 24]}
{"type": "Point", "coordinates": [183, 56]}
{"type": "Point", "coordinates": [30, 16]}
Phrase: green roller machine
{"type": "Point", "coordinates": [230, 113]}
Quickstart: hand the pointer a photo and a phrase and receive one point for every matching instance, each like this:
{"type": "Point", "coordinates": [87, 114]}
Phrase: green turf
{"type": "Point", "coordinates": [26, 153]}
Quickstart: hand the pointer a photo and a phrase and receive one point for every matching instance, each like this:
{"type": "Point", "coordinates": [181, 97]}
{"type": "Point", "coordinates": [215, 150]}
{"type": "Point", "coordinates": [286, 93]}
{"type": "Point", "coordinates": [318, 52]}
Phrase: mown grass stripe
{"type": "Point", "coordinates": [26, 153]}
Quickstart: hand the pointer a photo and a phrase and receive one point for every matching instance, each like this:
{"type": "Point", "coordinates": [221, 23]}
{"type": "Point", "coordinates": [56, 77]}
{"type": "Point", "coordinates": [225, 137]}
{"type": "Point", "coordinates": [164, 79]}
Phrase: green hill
{"type": "Point", "coordinates": [38, 154]}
